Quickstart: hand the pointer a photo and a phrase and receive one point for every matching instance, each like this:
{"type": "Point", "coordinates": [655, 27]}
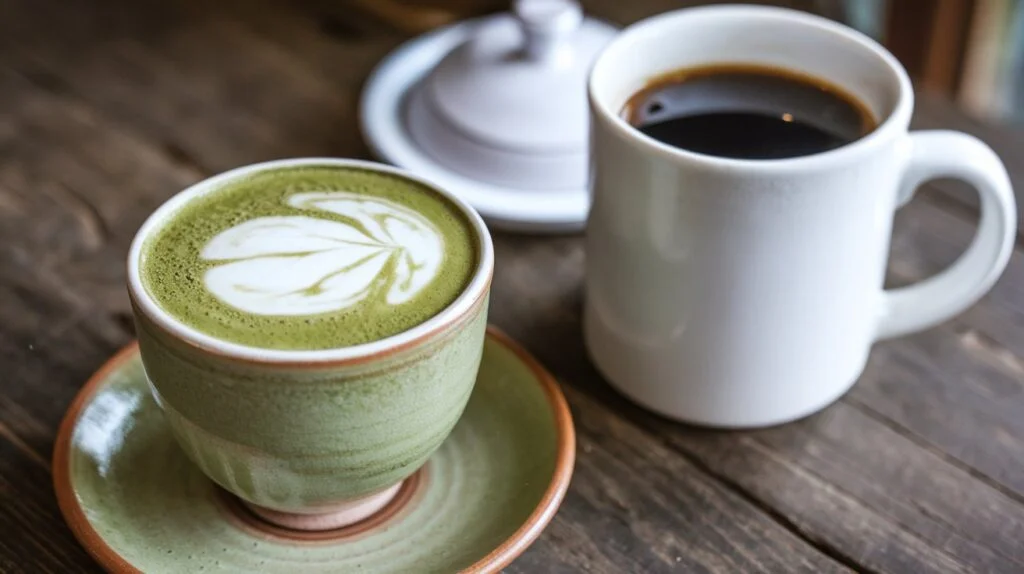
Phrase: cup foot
{"type": "Point", "coordinates": [329, 517]}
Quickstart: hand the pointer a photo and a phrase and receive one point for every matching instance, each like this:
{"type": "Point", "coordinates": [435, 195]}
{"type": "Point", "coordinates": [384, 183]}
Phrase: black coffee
{"type": "Point", "coordinates": [748, 112]}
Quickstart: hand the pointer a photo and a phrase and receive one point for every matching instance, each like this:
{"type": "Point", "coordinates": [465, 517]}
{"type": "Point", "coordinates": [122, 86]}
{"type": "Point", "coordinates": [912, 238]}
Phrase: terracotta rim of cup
{"type": "Point", "coordinates": [463, 306]}
{"type": "Point", "coordinates": [888, 127]}
{"type": "Point", "coordinates": [497, 559]}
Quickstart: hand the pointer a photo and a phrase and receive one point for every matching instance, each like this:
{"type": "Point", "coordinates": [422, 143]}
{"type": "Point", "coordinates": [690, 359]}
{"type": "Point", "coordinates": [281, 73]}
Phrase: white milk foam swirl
{"type": "Point", "coordinates": [299, 265]}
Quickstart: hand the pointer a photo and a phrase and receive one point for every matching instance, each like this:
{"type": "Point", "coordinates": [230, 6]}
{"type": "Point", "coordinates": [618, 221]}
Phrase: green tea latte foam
{"type": "Point", "coordinates": [310, 257]}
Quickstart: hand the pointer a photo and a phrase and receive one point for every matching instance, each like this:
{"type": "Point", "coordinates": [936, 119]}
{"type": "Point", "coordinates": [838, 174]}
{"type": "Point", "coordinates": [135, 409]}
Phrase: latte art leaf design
{"type": "Point", "coordinates": [304, 265]}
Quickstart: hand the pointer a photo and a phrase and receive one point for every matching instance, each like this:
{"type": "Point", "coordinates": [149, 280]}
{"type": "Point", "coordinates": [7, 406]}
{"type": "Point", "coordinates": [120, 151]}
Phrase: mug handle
{"type": "Point", "coordinates": [941, 153]}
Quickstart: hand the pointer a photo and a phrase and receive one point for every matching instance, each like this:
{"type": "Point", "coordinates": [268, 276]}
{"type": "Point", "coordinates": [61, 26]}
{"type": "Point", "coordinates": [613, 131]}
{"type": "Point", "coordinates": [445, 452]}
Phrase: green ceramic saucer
{"type": "Point", "coordinates": [137, 504]}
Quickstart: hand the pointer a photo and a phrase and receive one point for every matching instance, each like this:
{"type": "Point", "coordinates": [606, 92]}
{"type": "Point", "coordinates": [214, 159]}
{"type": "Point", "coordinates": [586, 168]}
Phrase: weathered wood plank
{"type": "Point", "coordinates": [891, 506]}
{"type": "Point", "coordinates": [206, 91]}
{"type": "Point", "coordinates": [64, 227]}
{"type": "Point", "coordinates": [889, 472]}
{"type": "Point", "coordinates": [32, 536]}
{"type": "Point", "coordinates": [639, 507]}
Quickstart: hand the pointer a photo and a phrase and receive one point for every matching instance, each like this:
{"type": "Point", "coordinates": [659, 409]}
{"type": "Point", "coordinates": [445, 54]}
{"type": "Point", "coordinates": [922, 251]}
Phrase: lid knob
{"type": "Point", "coordinates": [546, 24]}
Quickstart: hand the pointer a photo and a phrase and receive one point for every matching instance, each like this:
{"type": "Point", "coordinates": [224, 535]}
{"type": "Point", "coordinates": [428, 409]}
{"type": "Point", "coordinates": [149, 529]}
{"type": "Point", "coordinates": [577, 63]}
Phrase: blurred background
{"type": "Point", "coordinates": [971, 51]}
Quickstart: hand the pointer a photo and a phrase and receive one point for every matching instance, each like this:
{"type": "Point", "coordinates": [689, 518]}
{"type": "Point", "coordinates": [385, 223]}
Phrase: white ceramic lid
{"type": "Point", "coordinates": [400, 128]}
{"type": "Point", "coordinates": [508, 105]}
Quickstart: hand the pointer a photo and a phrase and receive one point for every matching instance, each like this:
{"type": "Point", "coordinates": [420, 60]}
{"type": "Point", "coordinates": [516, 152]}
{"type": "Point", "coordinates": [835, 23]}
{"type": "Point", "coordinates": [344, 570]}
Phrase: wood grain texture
{"type": "Point", "coordinates": [108, 108]}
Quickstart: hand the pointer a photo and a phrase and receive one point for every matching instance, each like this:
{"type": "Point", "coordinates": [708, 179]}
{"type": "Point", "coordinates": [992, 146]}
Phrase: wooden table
{"type": "Point", "coordinates": [105, 111]}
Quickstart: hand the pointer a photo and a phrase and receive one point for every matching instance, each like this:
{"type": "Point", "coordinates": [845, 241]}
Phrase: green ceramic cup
{"type": "Point", "coordinates": [313, 439]}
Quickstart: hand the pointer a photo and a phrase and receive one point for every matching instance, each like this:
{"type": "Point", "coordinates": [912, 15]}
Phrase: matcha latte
{"type": "Point", "coordinates": [310, 257]}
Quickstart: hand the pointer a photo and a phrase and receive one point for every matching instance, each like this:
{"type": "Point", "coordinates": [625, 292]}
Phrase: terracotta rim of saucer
{"type": "Point", "coordinates": [497, 559]}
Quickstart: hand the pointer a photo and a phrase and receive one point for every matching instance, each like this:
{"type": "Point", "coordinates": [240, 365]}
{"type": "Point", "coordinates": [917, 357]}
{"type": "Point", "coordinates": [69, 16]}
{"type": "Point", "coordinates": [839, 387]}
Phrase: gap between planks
{"type": "Point", "coordinates": [924, 444]}
{"type": "Point", "coordinates": [778, 516]}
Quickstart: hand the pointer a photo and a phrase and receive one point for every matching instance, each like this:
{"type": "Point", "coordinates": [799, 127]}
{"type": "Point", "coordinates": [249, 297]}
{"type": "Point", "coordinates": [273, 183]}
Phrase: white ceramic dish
{"type": "Point", "coordinates": [384, 111]}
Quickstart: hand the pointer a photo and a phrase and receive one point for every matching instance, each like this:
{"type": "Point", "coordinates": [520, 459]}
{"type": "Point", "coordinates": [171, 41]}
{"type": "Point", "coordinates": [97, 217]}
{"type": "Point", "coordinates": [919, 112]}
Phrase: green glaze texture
{"type": "Point", "coordinates": [153, 507]}
{"type": "Point", "coordinates": [293, 438]}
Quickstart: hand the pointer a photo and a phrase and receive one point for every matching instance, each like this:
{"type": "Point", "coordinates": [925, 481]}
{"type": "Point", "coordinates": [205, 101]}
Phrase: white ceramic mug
{"type": "Point", "coordinates": [742, 293]}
